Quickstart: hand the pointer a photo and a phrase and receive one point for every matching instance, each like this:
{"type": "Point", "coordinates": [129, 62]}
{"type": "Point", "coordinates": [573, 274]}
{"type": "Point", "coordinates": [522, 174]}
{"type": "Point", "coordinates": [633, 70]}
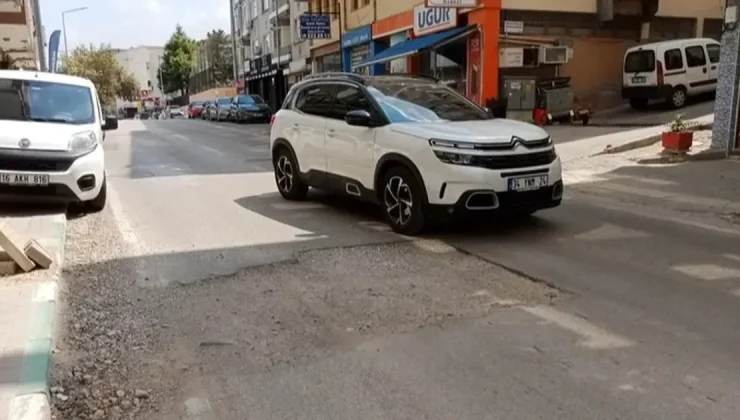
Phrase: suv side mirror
{"type": "Point", "coordinates": [358, 117]}
{"type": "Point", "coordinates": [111, 123]}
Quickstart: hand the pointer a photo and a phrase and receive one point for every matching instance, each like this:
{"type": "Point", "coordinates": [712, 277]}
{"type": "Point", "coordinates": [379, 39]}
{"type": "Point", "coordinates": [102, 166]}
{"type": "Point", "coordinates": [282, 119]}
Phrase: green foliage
{"type": "Point", "coordinates": [99, 64]}
{"type": "Point", "coordinates": [177, 63]}
{"type": "Point", "coordinates": [679, 124]}
{"type": "Point", "coordinates": [219, 51]}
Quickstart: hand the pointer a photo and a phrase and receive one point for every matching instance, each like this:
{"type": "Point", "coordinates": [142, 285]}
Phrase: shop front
{"type": "Point", "coordinates": [267, 80]}
{"type": "Point", "coordinates": [447, 43]}
{"type": "Point", "coordinates": [326, 58]}
{"type": "Point", "coordinates": [296, 71]}
{"type": "Point", "coordinates": [356, 48]}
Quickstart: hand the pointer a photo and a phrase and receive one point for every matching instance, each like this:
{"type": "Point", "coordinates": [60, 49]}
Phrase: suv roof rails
{"type": "Point", "coordinates": [413, 75]}
{"type": "Point", "coordinates": [337, 74]}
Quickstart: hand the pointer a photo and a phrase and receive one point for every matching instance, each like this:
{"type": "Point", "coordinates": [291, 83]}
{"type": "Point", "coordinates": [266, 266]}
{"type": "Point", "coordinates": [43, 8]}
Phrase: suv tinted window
{"type": "Point", "coordinates": [695, 56]}
{"type": "Point", "coordinates": [713, 53]}
{"type": "Point", "coordinates": [639, 61]}
{"type": "Point", "coordinates": [315, 100]}
{"type": "Point", "coordinates": [673, 59]}
{"type": "Point", "coordinates": [348, 98]}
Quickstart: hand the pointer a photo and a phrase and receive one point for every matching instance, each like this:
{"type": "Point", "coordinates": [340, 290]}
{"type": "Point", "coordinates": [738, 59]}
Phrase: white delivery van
{"type": "Point", "coordinates": [670, 71]}
{"type": "Point", "coordinates": [51, 134]}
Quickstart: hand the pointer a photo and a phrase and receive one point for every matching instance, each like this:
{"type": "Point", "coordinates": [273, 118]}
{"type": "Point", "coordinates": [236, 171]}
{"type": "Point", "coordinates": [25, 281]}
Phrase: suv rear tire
{"type": "Point", "coordinates": [287, 177]}
{"type": "Point", "coordinates": [403, 201]}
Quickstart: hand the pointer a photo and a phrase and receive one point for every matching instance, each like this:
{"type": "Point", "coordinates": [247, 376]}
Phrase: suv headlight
{"type": "Point", "coordinates": [456, 155]}
{"type": "Point", "coordinates": [83, 142]}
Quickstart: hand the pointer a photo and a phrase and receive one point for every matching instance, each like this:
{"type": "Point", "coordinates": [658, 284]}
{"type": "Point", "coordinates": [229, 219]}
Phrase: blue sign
{"type": "Point", "coordinates": [54, 50]}
{"type": "Point", "coordinates": [361, 35]}
{"type": "Point", "coordinates": [315, 26]}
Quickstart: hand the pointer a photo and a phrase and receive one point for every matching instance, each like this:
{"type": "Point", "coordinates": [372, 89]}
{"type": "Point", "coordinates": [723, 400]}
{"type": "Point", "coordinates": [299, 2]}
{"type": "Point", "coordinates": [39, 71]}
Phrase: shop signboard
{"type": "Point", "coordinates": [314, 26]}
{"type": "Point", "coordinates": [453, 4]}
{"type": "Point", "coordinates": [428, 20]}
{"type": "Point", "coordinates": [358, 36]}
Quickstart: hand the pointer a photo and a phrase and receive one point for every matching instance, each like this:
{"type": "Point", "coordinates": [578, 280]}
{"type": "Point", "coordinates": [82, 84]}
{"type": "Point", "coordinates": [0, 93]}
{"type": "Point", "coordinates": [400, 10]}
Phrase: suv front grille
{"type": "Point", "coordinates": [515, 161]}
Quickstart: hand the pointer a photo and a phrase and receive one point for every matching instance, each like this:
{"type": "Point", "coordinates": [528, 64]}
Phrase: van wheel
{"type": "Point", "coordinates": [677, 98]}
{"type": "Point", "coordinates": [638, 103]}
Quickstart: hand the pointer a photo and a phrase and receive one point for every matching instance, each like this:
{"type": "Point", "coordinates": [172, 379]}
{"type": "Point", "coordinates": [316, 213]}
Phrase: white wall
{"type": "Point", "coordinates": [143, 62]}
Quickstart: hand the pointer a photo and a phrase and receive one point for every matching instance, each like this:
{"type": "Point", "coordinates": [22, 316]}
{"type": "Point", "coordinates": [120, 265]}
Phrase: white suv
{"type": "Point", "coordinates": [51, 134]}
{"type": "Point", "coordinates": [412, 145]}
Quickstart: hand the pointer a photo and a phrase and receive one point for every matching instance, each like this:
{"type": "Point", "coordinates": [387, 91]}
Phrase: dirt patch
{"type": "Point", "coordinates": [127, 351]}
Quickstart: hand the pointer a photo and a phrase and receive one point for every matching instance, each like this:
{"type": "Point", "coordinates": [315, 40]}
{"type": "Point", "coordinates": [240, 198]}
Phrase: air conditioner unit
{"type": "Point", "coordinates": [554, 55]}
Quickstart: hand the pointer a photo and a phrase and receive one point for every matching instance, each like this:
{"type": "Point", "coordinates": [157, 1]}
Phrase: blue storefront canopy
{"type": "Point", "coordinates": [412, 46]}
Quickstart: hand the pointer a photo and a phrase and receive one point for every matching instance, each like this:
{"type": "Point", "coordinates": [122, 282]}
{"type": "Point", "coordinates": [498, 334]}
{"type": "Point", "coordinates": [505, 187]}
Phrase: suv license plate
{"type": "Point", "coordinates": [28, 180]}
{"type": "Point", "coordinates": [529, 183]}
{"type": "Point", "coordinates": [639, 79]}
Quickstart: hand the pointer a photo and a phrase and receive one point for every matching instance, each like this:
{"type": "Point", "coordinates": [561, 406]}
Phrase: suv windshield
{"type": "Point", "coordinates": [34, 100]}
{"type": "Point", "coordinates": [411, 100]}
{"type": "Point", "coordinates": [250, 99]}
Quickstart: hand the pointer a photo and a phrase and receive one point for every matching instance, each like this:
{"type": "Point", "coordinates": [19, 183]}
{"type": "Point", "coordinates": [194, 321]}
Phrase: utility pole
{"type": "Point", "coordinates": [234, 63]}
{"type": "Point", "coordinates": [40, 35]}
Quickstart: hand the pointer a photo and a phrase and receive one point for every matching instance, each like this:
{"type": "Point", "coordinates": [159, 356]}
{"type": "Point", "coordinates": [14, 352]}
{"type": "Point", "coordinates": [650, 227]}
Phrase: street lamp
{"type": "Point", "coordinates": [64, 32]}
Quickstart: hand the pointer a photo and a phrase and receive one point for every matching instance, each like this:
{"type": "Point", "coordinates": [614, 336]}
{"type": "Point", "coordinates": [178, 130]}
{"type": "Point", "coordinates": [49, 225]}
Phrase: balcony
{"type": "Point", "coordinates": [284, 55]}
{"type": "Point", "coordinates": [643, 9]}
{"type": "Point", "coordinates": [281, 16]}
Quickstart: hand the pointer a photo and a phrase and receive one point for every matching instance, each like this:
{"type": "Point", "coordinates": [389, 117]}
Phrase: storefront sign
{"type": "Point", "coordinates": [455, 4]}
{"type": "Point", "coordinates": [314, 26]}
{"type": "Point", "coordinates": [474, 68]}
{"type": "Point", "coordinates": [359, 54]}
{"type": "Point", "coordinates": [361, 35]}
{"type": "Point", "coordinates": [513, 27]}
{"type": "Point", "coordinates": [428, 20]}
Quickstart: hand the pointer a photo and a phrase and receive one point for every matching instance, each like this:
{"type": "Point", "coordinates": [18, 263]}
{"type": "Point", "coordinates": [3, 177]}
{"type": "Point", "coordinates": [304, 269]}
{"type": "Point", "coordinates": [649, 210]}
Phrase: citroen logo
{"type": "Point", "coordinates": [24, 143]}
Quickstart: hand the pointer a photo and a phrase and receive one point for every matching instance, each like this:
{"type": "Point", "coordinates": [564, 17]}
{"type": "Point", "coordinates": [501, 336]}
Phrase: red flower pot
{"type": "Point", "coordinates": [677, 140]}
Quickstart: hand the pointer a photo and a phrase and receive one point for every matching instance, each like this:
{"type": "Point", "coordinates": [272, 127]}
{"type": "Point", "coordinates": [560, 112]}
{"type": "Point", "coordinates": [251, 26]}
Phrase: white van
{"type": "Point", "coordinates": [670, 70]}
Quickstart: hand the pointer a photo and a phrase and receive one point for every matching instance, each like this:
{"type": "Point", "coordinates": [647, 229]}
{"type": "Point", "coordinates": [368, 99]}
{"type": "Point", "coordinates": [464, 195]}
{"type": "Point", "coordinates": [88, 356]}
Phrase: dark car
{"type": "Point", "coordinates": [223, 108]}
{"type": "Point", "coordinates": [195, 109]}
{"type": "Point", "coordinates": [250, 108]}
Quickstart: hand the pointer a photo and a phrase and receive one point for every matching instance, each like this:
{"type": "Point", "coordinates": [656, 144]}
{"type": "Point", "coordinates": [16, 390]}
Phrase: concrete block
{"type": "Point", "coordinates": [38, 254]}
{"type": "Point", "coordinates": [9, 240]}
{"type": "Point", "coordinates": [8, 267]}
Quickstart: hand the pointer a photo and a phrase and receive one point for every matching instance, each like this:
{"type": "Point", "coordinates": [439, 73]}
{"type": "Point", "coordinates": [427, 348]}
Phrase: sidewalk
{"type": "Point", "coordinates": [711, 186]}
{"type": "Point", "coordinates": [27, 305]}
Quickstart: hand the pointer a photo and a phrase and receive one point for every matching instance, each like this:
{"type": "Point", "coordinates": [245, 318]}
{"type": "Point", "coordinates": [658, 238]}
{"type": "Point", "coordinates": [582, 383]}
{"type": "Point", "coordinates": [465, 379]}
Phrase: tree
{"type": "Point", "coordinates": [177, 62]}
{"type": "Point", "coordinates": [101, 67]}
{"type": "Point", "coordinates": [220, 55]}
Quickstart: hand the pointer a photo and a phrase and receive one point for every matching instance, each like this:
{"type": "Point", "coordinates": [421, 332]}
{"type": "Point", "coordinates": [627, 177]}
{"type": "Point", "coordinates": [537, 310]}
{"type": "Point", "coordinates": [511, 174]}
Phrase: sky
{"type": "Point", "coordinates": [129, 23]}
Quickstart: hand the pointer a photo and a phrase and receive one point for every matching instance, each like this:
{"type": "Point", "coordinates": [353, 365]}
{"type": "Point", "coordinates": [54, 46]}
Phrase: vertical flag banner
{"type": "Point", "coordinates": [54, 50]}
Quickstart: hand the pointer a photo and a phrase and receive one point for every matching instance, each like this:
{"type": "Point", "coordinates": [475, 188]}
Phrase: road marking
{"type": "Point", "coordinates": [124, 227]}
{"type": "Point", "coordinates": [732, 257]}
{"type": "Point", "coordinates": [708, 272]}
{"type": "Point", "coordinates": [608, 231]}
{"type": "Point", "coordinates": [201, 145]}
{"type": "Point", "coordinates": [593, 337]}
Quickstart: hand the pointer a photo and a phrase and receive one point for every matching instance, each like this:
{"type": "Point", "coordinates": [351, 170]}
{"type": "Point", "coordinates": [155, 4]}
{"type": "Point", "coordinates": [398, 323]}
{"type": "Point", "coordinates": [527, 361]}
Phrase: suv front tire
{"type": "Point", "coordinates": [287, 178]}
{"type": "Point", "coordinates": [403, 201]}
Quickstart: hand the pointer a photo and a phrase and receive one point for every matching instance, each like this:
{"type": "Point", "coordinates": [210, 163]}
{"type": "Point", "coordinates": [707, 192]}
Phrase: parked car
{"type": "Point", "coordinates": [204, 113]}
{"type": "Point", "coordinates": [412, 145]}
{"type": "Point", "coordinates": [195, 109]}
{"type": "Point", "coordinates": [670, 71]}
{"type": "Point", "coordinates": [223, 108]}
{"type": "Point", "coordinates": [51, 145]}
{"type": "Point", "coordinates": [174, 112]}
{"type": "Point", "coordinates": [250, 108]}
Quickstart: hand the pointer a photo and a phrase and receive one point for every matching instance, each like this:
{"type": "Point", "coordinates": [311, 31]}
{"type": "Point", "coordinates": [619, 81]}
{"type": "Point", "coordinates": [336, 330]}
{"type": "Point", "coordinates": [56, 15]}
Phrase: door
{"type": "Point", "coordinates": [713, 55]}
{"type": "Point", "coordinates": [697, 69]}
{"type": "Point", "coordinates": [350, 148]}
{"type": "Point", "coordinates": [308, 129]}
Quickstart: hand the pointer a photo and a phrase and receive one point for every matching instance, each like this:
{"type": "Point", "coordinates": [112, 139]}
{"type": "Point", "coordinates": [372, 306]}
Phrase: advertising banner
{"type": "Point", "coordinates": [474, 68]}
{"type": "Point", "coordinates": [54, 51]}
{"type": "Point", "coordinates": [315, 26]}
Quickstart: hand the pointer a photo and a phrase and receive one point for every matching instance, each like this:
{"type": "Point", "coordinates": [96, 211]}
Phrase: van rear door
{"type": "Point", "coordinates": [640, 68]}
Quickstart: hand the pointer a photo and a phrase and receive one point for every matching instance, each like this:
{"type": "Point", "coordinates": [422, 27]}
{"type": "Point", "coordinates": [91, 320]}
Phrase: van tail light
{"type": "Point", "coordinates": [661, 75]}
{"type": "Point", "coordinates": [272, 119]}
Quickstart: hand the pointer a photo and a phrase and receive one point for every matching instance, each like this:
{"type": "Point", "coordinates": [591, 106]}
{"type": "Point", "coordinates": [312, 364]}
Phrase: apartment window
{"type": "Point", "coordinates": [265, 5]}
{"type": "Point", "coordinates": [255, 12]}
{"type": "Point", "coordinates": [325, 6]}
{"type": "Point", "coordinates": [355, 4]}
{"type": "Point", "coordinates": [365, 3]}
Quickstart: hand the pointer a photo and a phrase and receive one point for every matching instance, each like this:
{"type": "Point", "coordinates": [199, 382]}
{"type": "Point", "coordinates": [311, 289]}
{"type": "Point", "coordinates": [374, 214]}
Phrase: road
{"type": "Point", "coordinates": [215, 299]}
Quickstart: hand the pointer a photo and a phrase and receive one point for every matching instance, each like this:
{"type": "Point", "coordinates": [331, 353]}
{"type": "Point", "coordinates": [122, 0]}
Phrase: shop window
{"type": "Point", "coordinates": [673, 59]}
{"type": "Point", "coordinates": [713, 53]}
{"type": "Point", "coordinates": [713, 28]}
{"type": "Point", "coordinates": [365, 2]}
{"type": "Point", "coordinates": [695, 56]}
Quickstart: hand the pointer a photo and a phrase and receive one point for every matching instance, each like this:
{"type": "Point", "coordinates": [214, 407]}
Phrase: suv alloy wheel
{"type": "Point", "coordinates": [289, 184]}
{"type": "Point", "coordinates": [402, 201]}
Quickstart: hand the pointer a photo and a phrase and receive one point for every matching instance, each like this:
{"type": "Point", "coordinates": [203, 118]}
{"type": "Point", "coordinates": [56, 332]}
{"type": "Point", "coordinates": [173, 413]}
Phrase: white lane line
{"type": "Point", "coordinates": [732, 257]}
{"type": "Point", "coordinates": [708, 272]}
{"type": "Point", "coordinates": [593, 337]}
{"type": "Point", "coordinates": [201, 145]}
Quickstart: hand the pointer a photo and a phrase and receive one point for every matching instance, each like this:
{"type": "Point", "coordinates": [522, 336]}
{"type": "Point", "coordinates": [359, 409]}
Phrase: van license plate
{"type": "Point", "coordinates": [638, 79]}
{"type": "Point", "coordinates": [28, 180]}
{"type": "Point", "coordinates": [529, 183]}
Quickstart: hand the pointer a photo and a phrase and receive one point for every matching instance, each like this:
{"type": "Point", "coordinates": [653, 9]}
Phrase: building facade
{"type": "Point", "coordinates": [266, 44]}
{"type": "Point", "coordinates": [22, 38]}
{"type": "Point", "coordinates": [143, 62]}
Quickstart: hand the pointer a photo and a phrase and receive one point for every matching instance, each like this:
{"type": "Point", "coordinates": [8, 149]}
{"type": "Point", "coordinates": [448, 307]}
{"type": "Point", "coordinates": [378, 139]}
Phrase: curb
{"type": "Point", "coordinates": [33, 401]}
{"type": "Point", "coordinates": [645, 142]}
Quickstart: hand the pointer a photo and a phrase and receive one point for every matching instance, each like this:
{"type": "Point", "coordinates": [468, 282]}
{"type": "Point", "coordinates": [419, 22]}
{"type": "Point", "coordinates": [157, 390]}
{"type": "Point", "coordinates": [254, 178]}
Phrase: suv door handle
{"type": "Point", "coordinates": [331, 132]}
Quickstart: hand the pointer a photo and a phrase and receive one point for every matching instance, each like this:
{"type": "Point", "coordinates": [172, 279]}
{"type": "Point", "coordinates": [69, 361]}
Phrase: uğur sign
{"type": "Point", "coordinates": [429, 20]}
